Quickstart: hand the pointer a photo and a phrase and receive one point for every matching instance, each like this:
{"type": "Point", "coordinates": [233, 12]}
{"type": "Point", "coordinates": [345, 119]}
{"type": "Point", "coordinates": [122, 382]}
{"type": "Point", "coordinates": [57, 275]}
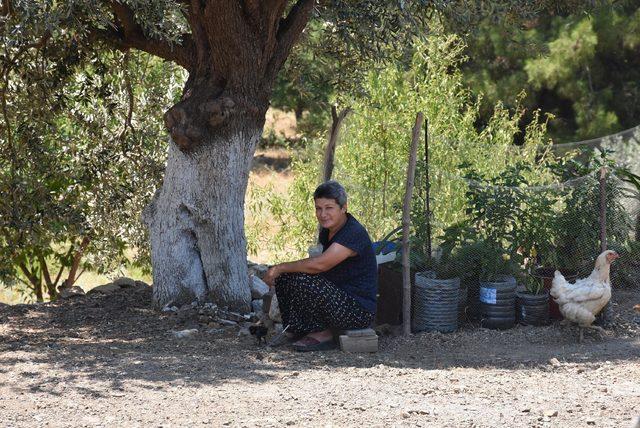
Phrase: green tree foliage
{"type": "Point", "coordinates": [331, 61]}
{"type": "Point", "coordinates": [372, 156]}
{"type": "Point", "coordinates": [584, 69]}
{"type": "Point", "coordinates": [307, 82]}
{"type": "Point", "coordinates": [79, 158]}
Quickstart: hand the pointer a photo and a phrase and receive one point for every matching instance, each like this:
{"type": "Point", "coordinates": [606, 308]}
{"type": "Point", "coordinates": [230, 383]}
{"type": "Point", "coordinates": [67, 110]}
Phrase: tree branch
{"type": "Point", "coordinates": [71, 278]}
{"type": "Point", "coordinates": [273, 10]}
{"type": "Point", "coordinates": [130, 98]}
{"type": "Point", "coordinates": [51, 287]}
{"type": "Point", "coordinates": [7, 8]}
{"type": "Point", "coordinates": [180, 54]}
{"type": "Point", "coordinates": [58, 275]}
{"type": "Point", "coordinates": [127, 19]}
{"type": "Point", "coordinates": [198, 34]}
{"type": "Point", "coordinates": [33, 279]}
{"type": "Point", "coordinates": [329, 153]}
{"type": "Point", "coordinates": [131, 35]}
{"type": "Point", "coordinates": [289, 31]}
{"type": "Point", "coordinates": [252, 9]}
{"type": "Point", "coordinates": [45, 270]}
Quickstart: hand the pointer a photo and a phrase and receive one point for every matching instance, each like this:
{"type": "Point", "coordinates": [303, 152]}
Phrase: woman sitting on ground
{"type": "Point", "coordinates": [335, 290]}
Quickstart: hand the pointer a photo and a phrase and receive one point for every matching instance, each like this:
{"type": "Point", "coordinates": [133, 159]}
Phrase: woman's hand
{"type": "Point", "coordinates": [271, 275]}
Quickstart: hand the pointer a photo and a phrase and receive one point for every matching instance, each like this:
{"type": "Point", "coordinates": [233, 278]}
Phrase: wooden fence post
{"type": "Point", "coordinates": [427, 198]}
{"type": "Point", "coordinates": [605, 315]}
{"type": "Point", "coordinates": [603, 209]}
{"type": "Point", "coordinates": [406, 223]}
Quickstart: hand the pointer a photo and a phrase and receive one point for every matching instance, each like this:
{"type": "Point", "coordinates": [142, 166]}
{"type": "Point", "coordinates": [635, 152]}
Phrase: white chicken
{"type": "Point", "coordinates": [582, 301]}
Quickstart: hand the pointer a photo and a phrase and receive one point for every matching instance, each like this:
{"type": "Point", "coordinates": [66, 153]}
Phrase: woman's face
{"type": "Point", "coordinates": [329, 213]}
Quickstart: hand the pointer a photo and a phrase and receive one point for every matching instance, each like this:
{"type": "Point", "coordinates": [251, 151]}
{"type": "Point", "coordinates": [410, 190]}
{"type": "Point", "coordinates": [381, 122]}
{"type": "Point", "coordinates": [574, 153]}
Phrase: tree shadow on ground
{"type": "Point", "coordinates": [112, 340]}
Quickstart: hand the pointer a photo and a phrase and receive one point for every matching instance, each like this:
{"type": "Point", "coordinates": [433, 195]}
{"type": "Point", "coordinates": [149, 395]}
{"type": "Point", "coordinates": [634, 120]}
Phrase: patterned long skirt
{"type": "Point", "coordinates": [310, 303]}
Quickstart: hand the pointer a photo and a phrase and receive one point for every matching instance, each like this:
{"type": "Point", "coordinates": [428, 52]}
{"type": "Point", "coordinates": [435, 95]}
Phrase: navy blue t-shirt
{"type": "Point", "coordinates": [357, 275]}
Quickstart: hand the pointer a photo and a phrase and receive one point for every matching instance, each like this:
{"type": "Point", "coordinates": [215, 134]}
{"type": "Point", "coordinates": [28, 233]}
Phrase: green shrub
{"type": "Point", "coordinates": [371, 158]}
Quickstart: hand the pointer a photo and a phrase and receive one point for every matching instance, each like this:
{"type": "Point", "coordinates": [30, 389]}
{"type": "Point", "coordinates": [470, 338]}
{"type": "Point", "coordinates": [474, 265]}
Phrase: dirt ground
{"type": "Point", "coordinates": [114, 361]}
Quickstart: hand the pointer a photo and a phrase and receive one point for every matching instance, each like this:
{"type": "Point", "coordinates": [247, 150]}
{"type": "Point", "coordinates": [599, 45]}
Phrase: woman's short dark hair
{"type": "Point", "coordinates": [331, 190]}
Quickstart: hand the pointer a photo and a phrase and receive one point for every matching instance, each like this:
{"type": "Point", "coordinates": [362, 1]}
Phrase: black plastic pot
{"type": "Point", "coordinates": [435, 303]}
{"type": "Point", "coordinates": [497, 303]}
{"type": "Point", "coordinates": [532, 309]}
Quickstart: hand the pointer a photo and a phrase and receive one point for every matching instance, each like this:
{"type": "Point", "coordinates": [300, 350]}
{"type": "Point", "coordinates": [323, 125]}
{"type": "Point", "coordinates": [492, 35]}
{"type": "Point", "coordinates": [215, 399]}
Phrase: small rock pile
{"type": "Point", "coordinates": [264, 302]}
{"type": "Point", "coordinates": [193, 318]}
{"type": "Point", "coordinates": [104, 289]}
{"type": "Point", "coordinates": [197, 317]}
{"type": "Point", "coordinates": [203, 317]}
{"type": "Point", "coordinates": [258, 287]}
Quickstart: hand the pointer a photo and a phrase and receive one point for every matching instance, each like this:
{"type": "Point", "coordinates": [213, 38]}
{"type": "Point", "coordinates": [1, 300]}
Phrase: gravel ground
{"type": "Point", "coordinates": [113, 361]}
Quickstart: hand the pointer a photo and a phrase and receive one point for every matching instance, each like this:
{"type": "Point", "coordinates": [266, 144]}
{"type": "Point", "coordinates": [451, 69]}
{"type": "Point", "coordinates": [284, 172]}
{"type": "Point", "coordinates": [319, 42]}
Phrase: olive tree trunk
{"type": "Point", "coordinates": [198, 246]}
{"type": "Point", "coordinates": [233, 52]}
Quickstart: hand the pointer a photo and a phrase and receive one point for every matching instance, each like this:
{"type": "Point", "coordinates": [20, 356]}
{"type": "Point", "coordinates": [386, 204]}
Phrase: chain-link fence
{"type": "Point", "coordinates": [494, 265]}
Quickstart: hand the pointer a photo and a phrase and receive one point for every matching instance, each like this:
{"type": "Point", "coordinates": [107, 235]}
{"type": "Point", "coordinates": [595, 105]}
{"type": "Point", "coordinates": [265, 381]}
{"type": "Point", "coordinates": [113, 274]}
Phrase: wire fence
{"type": "Point", "coordinates": [494, 266]}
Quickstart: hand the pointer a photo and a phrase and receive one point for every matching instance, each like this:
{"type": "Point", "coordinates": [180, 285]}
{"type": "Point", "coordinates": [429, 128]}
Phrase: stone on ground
{"type": "Point", "coordinates": [184, 334]}
{"type": "Point", "coordinates": [74, 291]}
{"type": "Point", "coordinates": [125, 282]}
{"type": "Point", "coordinates": [359, 341]}
{"type": "Point", "coordinates": [274, 309]}
{"type": "Point", "coordinates": [258, 287]}
{"type": "Point", "coordinates": [361, 332]}
{"type": "Point", "coordinates": [256, 306]}
{"type": "Point", "coordinates": [105, 289]}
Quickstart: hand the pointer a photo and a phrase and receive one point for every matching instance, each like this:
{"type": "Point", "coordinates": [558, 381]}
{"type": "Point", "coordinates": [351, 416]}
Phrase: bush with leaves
{"type": "Point", "coordinates": [554, 226]}
{"type": "Point", "coordinates": [80, 157]}
{"type": "Point", "coordinates": [579, 222]}
{"type": "Point", "coordinates": [371, 158]}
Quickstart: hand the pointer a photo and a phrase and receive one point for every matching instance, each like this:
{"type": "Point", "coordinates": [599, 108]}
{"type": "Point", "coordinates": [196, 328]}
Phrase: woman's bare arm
{"type": "Point", "coordinates": [334, 255]}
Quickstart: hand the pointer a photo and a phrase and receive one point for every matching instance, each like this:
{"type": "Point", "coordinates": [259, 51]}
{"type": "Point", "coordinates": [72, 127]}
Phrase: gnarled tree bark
{"type": "Point", "coordinates": [196, 223]}
{"type": "Point", "coordinates": [196, 220]}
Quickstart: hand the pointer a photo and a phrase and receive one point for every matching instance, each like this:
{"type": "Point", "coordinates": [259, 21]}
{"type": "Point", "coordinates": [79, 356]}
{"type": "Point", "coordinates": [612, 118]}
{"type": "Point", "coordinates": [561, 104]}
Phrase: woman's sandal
{"type": "Point", "coordinates": [308, 343]}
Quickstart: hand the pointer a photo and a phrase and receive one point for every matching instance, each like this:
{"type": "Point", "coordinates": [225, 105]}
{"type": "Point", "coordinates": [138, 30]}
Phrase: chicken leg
{"type": "Point", "coordinates": [591, 327]}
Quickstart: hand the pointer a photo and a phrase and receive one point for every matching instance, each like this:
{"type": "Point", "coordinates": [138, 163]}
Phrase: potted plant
{"type": "Point", "coordinates": [538, 244]}
{"type": "Point", "coordinates": [485, 271]}
{"type": "Point", "coordinates": [532, 301]}
{"type": "Point", "coordinates": [451, 268]}
{"type": "Point", "coordinates": [457, 239]}
{"type": "Point", "coordinates": [497, 287]}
